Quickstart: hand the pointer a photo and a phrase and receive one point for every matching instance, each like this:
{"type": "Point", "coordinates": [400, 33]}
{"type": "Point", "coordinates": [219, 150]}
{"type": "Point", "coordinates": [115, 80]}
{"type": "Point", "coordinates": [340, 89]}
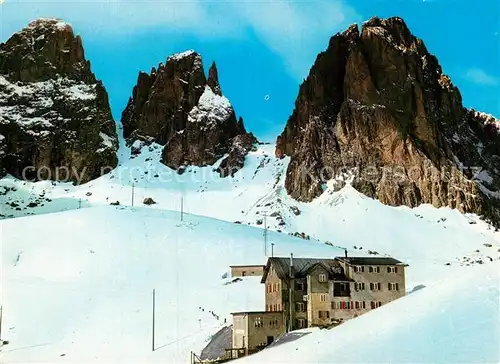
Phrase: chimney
{"type": "Point", "coordinates": [345, 250]}
{"type": "Point", "coordinates": [291, 265]}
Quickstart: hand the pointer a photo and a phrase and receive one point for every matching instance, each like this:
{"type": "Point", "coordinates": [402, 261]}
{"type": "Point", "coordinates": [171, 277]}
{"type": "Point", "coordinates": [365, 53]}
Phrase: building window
{"type": "Point", "coordinates": [357, 305]}
{"type": "Point", "coordinates": [393, 286]}
{"type": "Point", "coordinates": [335, 305]}
{"type": "Point", "coordinates": [324, 314]}
{"type": "Point", "coordinates": [372, 304]}
{"type": "Point", "coordinates": [275, 307]}
{"type": "Point", "coordinates": [299, 306]}
{"type": "Point", "coordinates": [299, 286]}
{"type": "Point", "coordinates": [375, 286]}
{"type": "Point", "coordinates": [359, 286]}
{"type": "Point", "coordinates": [279, 306]}
{"type": "Point", "coordinates": [374, 269]}
{"type": "Point", "coordinates": [273, 323]}
{"type": "Point", "coordinates": [379, 304]}
{"type": "Point", "coordinates": [258, 322]}
{"type": "Point", "coordinates": [301, 323]}
{"type": "Point", "coordinates": [364, 304]}
{"type": "Point", "coordinates": [322, 277]}
{"type": "Point", "coordinates": [392, 269]}
{"type": "Point", "coordinates": [323, 298]}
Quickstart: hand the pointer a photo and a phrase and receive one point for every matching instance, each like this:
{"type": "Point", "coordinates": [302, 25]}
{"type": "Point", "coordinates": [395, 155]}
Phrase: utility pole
{"type": "Point", "coordinates": [182, 207]}
{"type": "Point", "coordinates": [153, 331]}
{"type": "Point", "coordinates": [272, 250]}
{"type": "Point", "coordinates": [133, 194]}
{"type": "Point", "coordinates": [265, 235]}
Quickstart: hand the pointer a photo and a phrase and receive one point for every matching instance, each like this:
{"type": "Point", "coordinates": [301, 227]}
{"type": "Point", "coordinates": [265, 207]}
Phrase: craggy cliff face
{"type": "Point", "coordinates": [377, 109]}
{"type": "Point", "coordinates": [55, 119]}
{"type": "Point", "coordinates": [177, 106]}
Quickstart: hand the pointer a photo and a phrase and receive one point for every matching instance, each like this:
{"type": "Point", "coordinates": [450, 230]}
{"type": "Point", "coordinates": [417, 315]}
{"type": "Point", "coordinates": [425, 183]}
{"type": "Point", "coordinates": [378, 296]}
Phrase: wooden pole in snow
{"type": "Point", "coordinates": [182, 207]}
{"type": "Point", "coordinates": [265, 235]}
{"type": "Point", "coordinates": [132, 194]}
{"type": "Point", "coordinates": [153, 331]}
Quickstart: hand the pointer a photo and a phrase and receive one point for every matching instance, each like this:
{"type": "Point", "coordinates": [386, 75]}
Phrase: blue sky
{"type": "Point", "coordinates": [264, 49]}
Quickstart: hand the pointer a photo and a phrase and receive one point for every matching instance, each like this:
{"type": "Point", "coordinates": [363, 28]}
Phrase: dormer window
{"type": "Point", "coordinates": [322, 278]}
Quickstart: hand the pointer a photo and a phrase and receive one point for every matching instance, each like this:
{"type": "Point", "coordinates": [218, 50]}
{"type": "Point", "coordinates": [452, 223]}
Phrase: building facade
{"type": "Point", "coordinates": [308, 292]}
{"type": "Point", "coordinates": [247, 270]}
{"type": "Point", "coordinates": [323, 292]}
{"type": "Point", "coordinates": [252, 331]}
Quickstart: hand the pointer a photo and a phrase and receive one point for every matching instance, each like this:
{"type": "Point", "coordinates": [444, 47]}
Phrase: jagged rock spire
{"type": "Point", "coordinates": [186, 112]}
{"type": "Point", "coordinates": [213, 80]}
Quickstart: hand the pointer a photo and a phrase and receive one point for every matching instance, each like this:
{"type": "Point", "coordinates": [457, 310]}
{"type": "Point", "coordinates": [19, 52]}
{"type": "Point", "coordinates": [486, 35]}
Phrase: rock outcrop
{"type": "Point", "coordinates": [55, 119]}
{"type": "Point", "coordinates": [377, 109]}
{"type": "Point", "coordinates": [186, 112]}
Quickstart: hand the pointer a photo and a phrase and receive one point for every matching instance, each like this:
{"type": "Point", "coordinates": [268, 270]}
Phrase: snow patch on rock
{"type": "Point", "coordinates": [211, 109]}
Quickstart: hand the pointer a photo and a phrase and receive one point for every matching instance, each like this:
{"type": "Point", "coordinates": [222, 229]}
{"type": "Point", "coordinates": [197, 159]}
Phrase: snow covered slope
{"type": "Point", "coordinates": [455, 321]}
{"type": "Point", "coordinates": [90, 270]}
{"type": "Point", "coordinates": [77, 286]}
{"type": "Point", "coordinates": [433, 241]}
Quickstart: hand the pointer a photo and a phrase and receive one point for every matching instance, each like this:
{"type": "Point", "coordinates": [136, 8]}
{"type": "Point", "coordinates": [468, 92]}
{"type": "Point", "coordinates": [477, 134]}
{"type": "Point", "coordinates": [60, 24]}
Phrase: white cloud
{"type": "Point", "coordinates": [294, 30]}
{"type": "Point", "coordinates": [480, 77]}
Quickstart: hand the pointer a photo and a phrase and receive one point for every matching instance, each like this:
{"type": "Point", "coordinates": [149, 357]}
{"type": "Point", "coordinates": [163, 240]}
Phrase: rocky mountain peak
{"type": "Point", "coordinates": [55, 119]}
{"type": "Point", "coordinates": [377, 107]}
{"type": "Point", "coordinates": [213, 79]}
{"type": "Point", "coordinates": [180, 108]}
{"type": "Point", "coordinates": [45, 49]}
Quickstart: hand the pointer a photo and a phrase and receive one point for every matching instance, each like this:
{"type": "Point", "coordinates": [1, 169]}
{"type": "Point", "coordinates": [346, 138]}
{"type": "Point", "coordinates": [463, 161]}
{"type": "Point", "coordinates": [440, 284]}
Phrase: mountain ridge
{"type": "Point", "coordinates": [55, 118]}
{"type": "Point", "coordinates": [375, 101]}
{"type": "Point", "coordinates": [177, 106]}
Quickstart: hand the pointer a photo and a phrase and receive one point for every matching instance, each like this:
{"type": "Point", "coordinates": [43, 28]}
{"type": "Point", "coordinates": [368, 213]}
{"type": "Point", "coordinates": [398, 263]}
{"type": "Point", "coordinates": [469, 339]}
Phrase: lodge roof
{"type": "Point", "coordinates": [302, 266]}
{"type": "Point", "coordinates": [370, 260]}
{"type": "Point", "coordinates": [247, 265]}
{"type": "Point", "coordinates": [256, 312]}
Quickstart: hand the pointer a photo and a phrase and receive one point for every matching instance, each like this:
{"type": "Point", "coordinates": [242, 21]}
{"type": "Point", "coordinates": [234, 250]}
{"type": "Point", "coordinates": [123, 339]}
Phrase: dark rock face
{"type": "Point", "coordinates": [183, 110]}
{"type": "Point", "coordinates": [55, 119]}
{"type": "Point", "coordinates": [377, 107]}
{"type": "Point", "coordinates": [235, 160]}
{"type": "Point", "coordinates": [213, 80]}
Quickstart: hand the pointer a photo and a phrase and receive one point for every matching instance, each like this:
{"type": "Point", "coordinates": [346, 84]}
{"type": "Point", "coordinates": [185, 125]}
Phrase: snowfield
{"type": "Point", "coordinates": [77, 286]}
{"type": "Point", "coordinates": [77, 278]}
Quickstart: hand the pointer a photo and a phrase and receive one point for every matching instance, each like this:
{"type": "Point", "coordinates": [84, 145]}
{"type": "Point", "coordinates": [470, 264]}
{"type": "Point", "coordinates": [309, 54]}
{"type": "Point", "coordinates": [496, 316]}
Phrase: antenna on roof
{"type": "Point", "coordinates": [340, 247]}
